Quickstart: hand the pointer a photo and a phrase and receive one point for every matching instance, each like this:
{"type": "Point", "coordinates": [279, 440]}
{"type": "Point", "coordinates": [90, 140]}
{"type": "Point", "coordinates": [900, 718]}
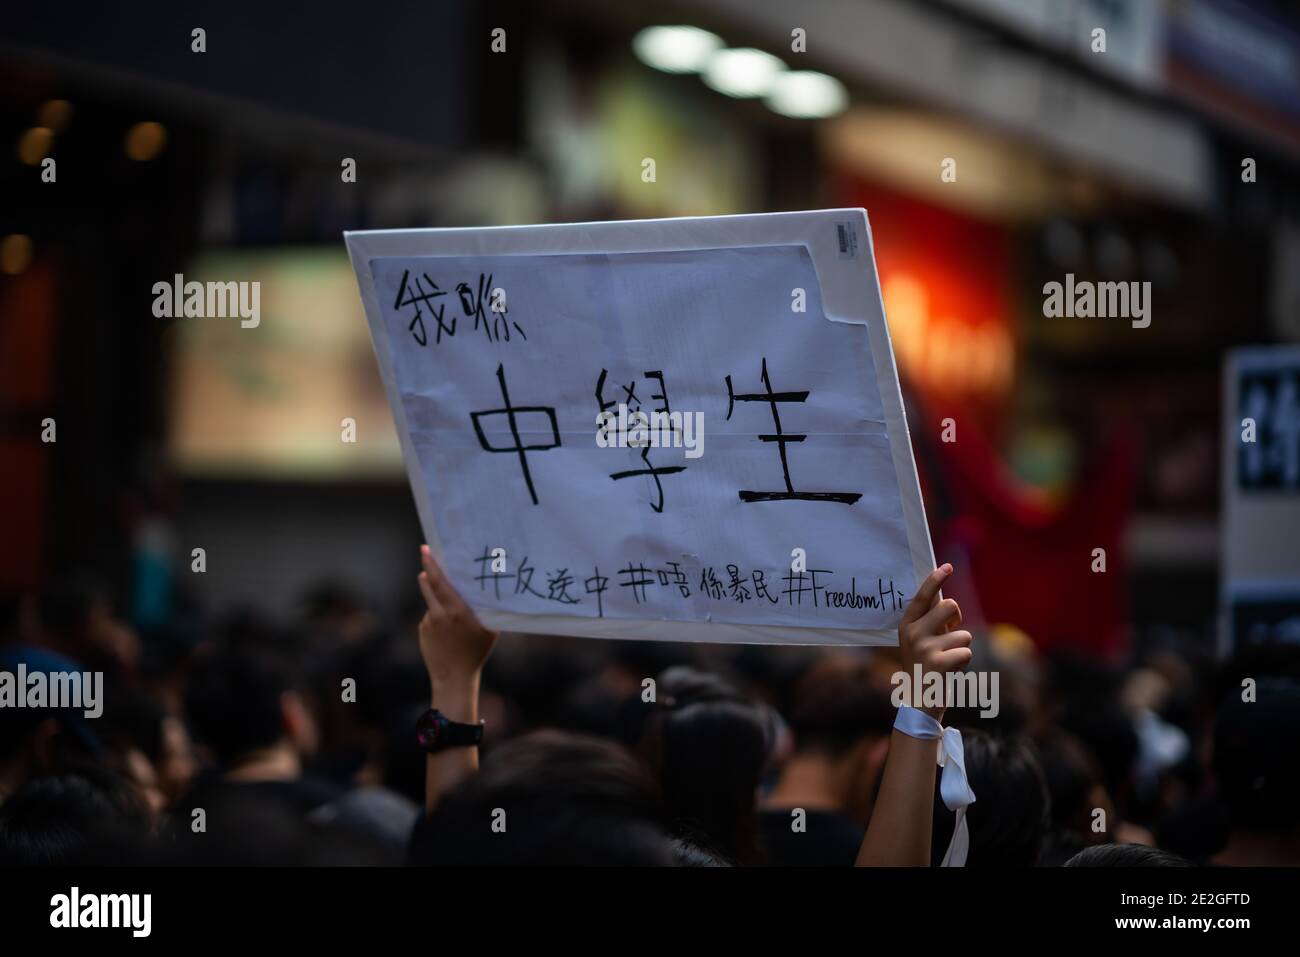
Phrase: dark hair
{"type": "Point", "coordinates": [1089, 697]}
{"type": "Point", "coordinates": [708, 745]}
{"type": "Point", "coordinates": [66, 606]}
{"type": "Point", "coordinates": [1072, 777]}
{"type": "Point", "coordinates": [1254, 742]}
{"type": "Point", "coordinates": [234, 700]}
{"type": "Point", "coordinates": [567, 800]}
{"type": "Point", "coordinates": [837, 702]}
{"type": "Point", "coordinates": [77, 741]}
{"type": "Point", "coordinates": [688, 853]}
{"type": "Point", "coordinates": [404, 760]}
{"type": "Point", "coordinates": [1009, 819]}
{"type": "Point", "coordinates": [133, 719]}
{"type": "Point", "coordinates": [1070, 774]}
{"type": "Point", "coordinates": [18, 725]}
{"type": "Point", "coordinates": [1106, 728]}
{"type": "Point", "coordinates": [251, 826]}
{"type": "Point", "coordinates": [1125, 855]}
{"type": "Point", "coordinates": [84, 817]}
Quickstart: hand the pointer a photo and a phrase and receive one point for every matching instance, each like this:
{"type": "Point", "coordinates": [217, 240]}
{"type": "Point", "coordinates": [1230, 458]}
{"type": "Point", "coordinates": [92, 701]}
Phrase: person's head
{"type": "Point", "coordinates": [1125, 855]}
{"type": "Point", "coordinates": [1076, 794]}
{"type": "Point", "coordinates": [357, 739]}
{"type": "Point", "coordinates": [250, 827]}
{"type": "Point", "coordinates": [1103, 725]}
{"type": "Point", "coordinates": [75, 617]}
{"type": "Point", "coordinates": [76, 817]}
{"type": "Point", "coordinates": [22, 743]}
{"type": "Point", "coordinates": [131, 732]}
{"type": "Point", "coordinates": [68, 609]}
{"type": "Point", "coordinates": [550, 798]}
{"type": "Point", "coordinates": [840, 713]}
{"type": "Point", "coordinates": [708, 746]}
{"type": "Point", "coordinates": [1254, 757]}
{"type": "Point", "coordinates": [244, 700]}
{"type": "Point", "coordinates": [1009, 820]}
{"type": "Point", "coordinates": [335, 608]}
{"type": "Point", "coordinates": [687, 853]}
{"type": "Point", "coordinates": [38, 741]}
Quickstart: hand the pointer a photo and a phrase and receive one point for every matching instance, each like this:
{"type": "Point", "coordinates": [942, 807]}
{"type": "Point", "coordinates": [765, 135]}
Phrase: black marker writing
{"type": "Point", "coordinates": [781, 439]}
{"type": "Point", "coordinates": [512, 413]}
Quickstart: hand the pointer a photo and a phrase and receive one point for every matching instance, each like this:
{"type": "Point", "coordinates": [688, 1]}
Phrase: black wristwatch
{"type": "Point", "coordinates": [436, 732]}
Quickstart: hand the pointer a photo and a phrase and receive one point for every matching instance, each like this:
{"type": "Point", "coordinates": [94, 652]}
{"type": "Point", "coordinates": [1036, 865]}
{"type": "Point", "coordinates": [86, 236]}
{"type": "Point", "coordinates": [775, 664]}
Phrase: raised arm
{"type": "Point", "coordinates": [454, 645]}
{"type": "Point", "coordinates": [901, 822]}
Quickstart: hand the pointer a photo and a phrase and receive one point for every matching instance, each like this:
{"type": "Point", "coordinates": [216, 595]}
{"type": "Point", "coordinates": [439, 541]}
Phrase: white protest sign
{"type": "Point", "coordinates": [682, 429]}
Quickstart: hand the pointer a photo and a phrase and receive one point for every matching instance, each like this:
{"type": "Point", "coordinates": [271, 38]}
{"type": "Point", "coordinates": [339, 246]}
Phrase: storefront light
{"type": "Point", "coordinates": [35, 144]}
{"type": "Point", "coordinates": [743, 72]}
{"type": "Point", "coordinates": [15, 254]}
{"type": "Point", "coordinates": [807, 94]}
{"type": "Point", "coordinates": [144, 141]}
{"type": "Point", "coordinates": [675, 49]}
{"type": "Point", "coordinates": [55, 114]}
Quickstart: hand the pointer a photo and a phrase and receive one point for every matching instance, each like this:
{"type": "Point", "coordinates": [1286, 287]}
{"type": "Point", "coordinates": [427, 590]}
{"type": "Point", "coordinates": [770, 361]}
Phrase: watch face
{"type": "Point", "coordinates": [428, 729]}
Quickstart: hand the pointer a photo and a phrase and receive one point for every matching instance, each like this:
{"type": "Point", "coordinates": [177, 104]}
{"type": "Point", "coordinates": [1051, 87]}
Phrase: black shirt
{"type": "Point", "coordinates": [829, 839]}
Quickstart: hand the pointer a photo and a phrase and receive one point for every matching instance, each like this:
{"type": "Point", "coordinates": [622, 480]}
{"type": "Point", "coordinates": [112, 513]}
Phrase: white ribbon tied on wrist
{"type": "Point", "coordinates": [953, 786]}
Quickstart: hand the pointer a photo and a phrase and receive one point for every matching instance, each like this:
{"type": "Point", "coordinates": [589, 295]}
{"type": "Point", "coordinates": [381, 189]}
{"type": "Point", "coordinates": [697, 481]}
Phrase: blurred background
{"type": "Point", "coordinates": [1173, 157]}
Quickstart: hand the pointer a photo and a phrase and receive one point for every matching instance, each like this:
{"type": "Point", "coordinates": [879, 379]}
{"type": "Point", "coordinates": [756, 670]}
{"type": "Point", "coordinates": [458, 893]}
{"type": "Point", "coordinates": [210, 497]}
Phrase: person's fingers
{"type": "Point", "coordinates": [926, 595]}
{"type": "Point", "coordinates": [938, 618]}
{"type": "Point", "coordinates": [955, 659]}
{"type": "Point", "coordinates": [434, 574]}
{"type": "Point", "coordinates": [953, 639]}
{"type": "Point", "coordinates": [427, 562]}
{"type": "Point", "coordinates": [430, 597]}
{"type": "Point", "coordinates": [448, 597]}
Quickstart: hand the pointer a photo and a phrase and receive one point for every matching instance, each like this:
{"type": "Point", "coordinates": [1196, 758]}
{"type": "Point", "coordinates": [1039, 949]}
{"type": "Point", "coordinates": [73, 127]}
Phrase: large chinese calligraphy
{"type": "Point", "coordinates": [790, 514]}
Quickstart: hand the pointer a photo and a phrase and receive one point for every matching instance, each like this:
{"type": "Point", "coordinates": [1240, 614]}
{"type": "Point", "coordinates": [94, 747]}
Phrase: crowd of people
{"type": "Point", "coordinates": [256, 743]}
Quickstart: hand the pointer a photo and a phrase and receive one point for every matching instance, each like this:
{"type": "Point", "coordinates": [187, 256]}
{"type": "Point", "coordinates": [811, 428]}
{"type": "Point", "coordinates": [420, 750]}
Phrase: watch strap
{"type": "Point", "coordinates": [458, 735]}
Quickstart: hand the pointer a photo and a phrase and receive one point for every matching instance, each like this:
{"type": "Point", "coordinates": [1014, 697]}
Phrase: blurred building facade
{"type": "Point", "coordinates": [1171, 156]}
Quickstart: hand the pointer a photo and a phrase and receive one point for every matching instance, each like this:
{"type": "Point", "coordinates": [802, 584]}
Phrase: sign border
{"type": "Point", "coordinates": [850, 292]}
